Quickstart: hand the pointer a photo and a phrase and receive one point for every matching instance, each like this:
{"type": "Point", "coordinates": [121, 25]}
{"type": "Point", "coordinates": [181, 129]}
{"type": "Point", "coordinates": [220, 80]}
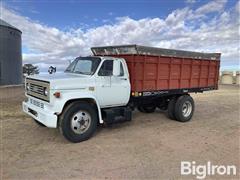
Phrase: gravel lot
{"type": "Point", "coordinates": [149, 147]}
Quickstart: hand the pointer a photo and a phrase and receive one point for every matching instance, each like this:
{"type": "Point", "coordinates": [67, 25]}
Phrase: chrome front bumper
{"type": "Point", "coordinates": [45, 117]}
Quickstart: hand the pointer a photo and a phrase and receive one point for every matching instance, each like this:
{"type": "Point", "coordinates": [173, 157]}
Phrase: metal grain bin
{"type": "Point", "coordinates": [227, 77]}
{"type": "Point", "coordinates": [238, 77]}
{"type": "Point", "coordinates": [10, 54]}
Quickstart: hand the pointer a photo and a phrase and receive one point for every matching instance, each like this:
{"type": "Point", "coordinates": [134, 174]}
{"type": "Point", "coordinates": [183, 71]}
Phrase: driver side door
{"type": "Point", "coordinates": [111, 90]}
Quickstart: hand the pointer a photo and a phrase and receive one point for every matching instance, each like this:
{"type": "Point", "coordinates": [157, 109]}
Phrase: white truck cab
{"type": "Point", "coordinates": [94, 82]}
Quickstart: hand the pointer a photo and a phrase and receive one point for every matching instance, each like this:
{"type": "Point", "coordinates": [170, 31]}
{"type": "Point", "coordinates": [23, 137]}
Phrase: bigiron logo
{"type": "Point", "coordinates": [208, 169]}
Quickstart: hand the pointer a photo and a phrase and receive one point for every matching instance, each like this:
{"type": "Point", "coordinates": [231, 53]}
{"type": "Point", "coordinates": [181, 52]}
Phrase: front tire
{"type": "Point", "coordinates": [78, 122]}
{"type": "Point", "coordinates": [184, 108]}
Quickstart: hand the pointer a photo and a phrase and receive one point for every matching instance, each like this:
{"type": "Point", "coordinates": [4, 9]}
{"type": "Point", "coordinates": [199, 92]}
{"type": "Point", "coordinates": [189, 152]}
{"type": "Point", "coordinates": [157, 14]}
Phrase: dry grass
{"type": "Point", "coordinates": [151, 146]}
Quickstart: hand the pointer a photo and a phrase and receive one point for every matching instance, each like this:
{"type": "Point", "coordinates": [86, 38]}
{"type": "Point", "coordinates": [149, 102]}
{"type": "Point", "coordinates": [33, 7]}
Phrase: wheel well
{"type": "Point", "coordinates": [176, 95]}
{"type": "Point", "coordinates": [71, 101]}
{"type": "Point", "coordinates": [88, 100]}
{"type": "Point", "coordinates": [166, 99]}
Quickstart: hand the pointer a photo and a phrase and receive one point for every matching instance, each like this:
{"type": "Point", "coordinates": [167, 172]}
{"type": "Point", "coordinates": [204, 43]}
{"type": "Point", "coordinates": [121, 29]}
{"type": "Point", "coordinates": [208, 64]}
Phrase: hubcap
{"type": "Point", "coordinates": [80, 122]}
{"type": "Point", "coordinates": [186, 109]}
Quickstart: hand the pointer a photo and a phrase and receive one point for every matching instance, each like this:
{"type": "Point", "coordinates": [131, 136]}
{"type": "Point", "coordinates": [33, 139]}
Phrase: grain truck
{"type": "Point", "coordinates": [106, 87]}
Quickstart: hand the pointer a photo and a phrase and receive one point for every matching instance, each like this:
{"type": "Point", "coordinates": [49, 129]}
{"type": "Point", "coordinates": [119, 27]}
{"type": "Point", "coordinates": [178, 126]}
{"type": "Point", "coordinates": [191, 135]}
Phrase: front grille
{"type": "Point", "coordinates": [37, 88]}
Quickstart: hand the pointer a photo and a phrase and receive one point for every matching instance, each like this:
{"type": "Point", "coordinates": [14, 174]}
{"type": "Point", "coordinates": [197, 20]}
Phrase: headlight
{"type": "Point", "coordinates": [45, 91]}
{"type": "Point", "coordinates": [27, 86]}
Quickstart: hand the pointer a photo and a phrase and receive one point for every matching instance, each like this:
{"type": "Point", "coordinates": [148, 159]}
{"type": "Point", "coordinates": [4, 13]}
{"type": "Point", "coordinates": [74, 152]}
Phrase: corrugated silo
{"type": "Point", "coordinates": [227, 77]}
{"type": "Point", "coordinates": [10, 54]}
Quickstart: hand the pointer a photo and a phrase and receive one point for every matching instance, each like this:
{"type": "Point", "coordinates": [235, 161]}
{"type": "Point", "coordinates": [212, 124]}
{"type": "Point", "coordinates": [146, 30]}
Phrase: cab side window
{"type": "Point", "coordinates": [106, 68]}
{"type": "Point", "coordinates": [121, 70]}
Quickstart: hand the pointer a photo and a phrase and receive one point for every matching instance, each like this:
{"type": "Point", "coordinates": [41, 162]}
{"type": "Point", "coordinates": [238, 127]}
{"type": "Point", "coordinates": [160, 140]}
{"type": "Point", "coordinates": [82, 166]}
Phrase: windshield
{"type": "Point", "coordinates": [84, 65]}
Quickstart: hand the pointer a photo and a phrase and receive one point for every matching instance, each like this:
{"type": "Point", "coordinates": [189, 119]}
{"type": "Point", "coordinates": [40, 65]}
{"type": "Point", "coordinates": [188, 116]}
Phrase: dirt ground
{"type": "Point", "coordinates": [149, 147]}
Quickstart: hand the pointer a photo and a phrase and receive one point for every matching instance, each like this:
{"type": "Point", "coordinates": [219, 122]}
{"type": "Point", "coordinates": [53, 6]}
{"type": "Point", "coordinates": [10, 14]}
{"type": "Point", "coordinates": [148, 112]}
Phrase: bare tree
{"type": "Point", "coordinates": [30, 69]}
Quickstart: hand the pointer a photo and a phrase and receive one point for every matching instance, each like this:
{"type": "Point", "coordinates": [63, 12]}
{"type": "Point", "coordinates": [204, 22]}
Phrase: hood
{"type": "Point", "coordinates": [65, 80]}
{"type": "Point", "coordinates": [56, 76]}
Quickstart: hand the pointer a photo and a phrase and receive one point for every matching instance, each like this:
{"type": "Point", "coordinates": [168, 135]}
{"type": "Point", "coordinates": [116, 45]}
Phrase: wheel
{"type": "Point", "coordinates": [147, 109]}
{"type": "Point", "coordinates": [38, 123]}
{"type": "Point", "coordinates": [171, 109]}
{"type": "Point", "coordinates": [140, 108]}
{"type": "Point", "coordinates": [184, 108]}
{"type": "Point", "coordinates": [162, 107]}
{"type": "Point", "coordinates": [78, 122]}
{"type": "Point", "coordinates": [163, 104]}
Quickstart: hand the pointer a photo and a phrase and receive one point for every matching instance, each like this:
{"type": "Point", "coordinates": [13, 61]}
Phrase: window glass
{"type": "Point", "coordinates": [84, 65]}
{"type": "Point", "coordinates": [121, 70]}
{"type": "Point", "coordinates": [106, 68]}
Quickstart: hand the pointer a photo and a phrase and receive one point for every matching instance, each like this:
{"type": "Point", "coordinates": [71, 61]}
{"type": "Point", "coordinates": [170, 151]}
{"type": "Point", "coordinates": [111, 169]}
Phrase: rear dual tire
{"type": "Point", "coordinates": [181, 108]}
{"type": "Point", "coordinates": [171, 109]}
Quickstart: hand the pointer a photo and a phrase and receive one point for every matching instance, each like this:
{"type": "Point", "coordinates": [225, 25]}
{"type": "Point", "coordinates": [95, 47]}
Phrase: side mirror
{"type": "Point", "coordinates": [116, 68]}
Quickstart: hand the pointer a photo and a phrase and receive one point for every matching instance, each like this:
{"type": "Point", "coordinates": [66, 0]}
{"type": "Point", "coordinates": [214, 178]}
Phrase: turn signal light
{"type": "Point", "coordinates": [57, 94]}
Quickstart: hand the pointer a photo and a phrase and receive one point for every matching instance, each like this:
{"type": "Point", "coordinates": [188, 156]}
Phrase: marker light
{"type": "Point", "coordinates": [57, 94]}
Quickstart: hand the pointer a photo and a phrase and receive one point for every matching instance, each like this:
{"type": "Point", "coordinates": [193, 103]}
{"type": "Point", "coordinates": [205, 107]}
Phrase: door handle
{"type": "Point", "coordinates": [125, 79]}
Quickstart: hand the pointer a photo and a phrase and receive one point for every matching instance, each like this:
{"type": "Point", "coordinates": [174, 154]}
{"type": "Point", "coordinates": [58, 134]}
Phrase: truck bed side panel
{"type": "Point", "coordinates": [151, 73]}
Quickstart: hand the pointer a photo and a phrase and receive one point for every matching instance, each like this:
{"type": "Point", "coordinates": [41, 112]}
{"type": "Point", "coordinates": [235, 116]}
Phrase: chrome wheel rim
{"type": "Point", "coordinates": [80, 122]}
{"type": "Point", "coordinates": [186, 108]}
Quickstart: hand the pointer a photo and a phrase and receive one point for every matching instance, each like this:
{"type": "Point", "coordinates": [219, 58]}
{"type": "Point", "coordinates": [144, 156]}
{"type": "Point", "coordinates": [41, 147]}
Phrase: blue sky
{"type": "Point", "coordinates": [72, 14]}
{"type": "Point", "coordinates": [57, 31]}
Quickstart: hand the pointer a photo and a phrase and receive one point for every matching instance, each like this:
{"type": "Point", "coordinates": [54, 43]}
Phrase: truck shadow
{"type": "Point", "coordinates": [139, 119]}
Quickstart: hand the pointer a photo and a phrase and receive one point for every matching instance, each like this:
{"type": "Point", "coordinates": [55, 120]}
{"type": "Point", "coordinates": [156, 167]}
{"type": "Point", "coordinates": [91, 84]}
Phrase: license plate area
{"type": "Point", "coordinates": [37, 103]}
